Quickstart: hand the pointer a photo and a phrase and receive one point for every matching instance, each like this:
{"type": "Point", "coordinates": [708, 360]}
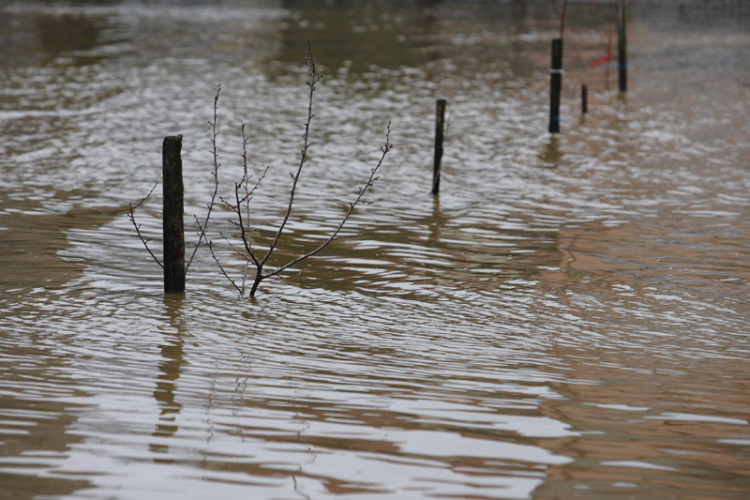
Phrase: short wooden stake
{"type": "Point", "coordinates": [174, 233]}
{"type": "Point", "coordinates": [556, 72]}
{"type": "Point", "coordinates": [584, 99]}
{"type": "Point", "coordinates": [439, 131]}
{"type": "Point", "coordinates": [622, 47]}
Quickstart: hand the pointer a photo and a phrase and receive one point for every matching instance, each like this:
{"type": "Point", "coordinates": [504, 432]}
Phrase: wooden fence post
{"type": "Point", "coordinates": [622, 47]}
{"type": "Point", "coordinates": [439, 131]}
{"type": "Point", "coordinates": [584, 99]}
{"type": "Point", "coordinates": [174, 233]}
{"type": "Point", "coordinates": [556, 72]}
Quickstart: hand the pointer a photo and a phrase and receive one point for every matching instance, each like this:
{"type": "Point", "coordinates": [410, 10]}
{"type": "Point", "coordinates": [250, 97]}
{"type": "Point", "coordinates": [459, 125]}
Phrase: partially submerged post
{"type": "Point", "coordinates": [174, 233]}
{"type": "Point", "coordinates": [439, 131]}
{"type": "Point", "coordinates": [555, 86]}
{"type": "Point", "coordinates": [584, 99]}
{"type": "Point", "coordinates": [622, 46]}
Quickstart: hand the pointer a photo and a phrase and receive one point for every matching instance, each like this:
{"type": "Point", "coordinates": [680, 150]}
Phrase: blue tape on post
{"type": "Point", "coordinates": [555, 119]}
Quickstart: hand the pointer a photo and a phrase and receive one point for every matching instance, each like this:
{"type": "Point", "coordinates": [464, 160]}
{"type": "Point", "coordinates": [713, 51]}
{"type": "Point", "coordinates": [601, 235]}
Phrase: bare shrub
{"type": "Point", "coordinates": [255, 266]}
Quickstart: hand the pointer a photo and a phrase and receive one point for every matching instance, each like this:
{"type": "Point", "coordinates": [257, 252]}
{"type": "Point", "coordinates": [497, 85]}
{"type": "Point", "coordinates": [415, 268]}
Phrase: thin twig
{"type": "Point", "coordinates": [215, 153]}
{"type": "Point", "coordinates": [245, 227]}
{"type": "Point", "coordinates": [385, 149]}
{"type": "Point", "coordinates": [236, 250]}
{"type": "Point", "coordinates": [218, 263]}
{"type": "Point", "coordinates": [561, 10]}
{"type": "Point", "coordinates": [314, 79]}
{"type": "Point", "coordinates": [131, 215]}
{"type": "Point", "coordinates": [244, 230]}
{"type": "Point", "coordinates": [557, 9]}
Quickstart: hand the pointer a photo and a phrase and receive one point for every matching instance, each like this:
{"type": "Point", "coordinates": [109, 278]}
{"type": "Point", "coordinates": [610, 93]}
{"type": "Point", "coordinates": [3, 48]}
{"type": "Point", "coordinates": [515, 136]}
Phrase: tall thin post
{"type": "Point", "coordinates": [439, 131]}
{"type": "Point", "coordinates": [584, 99]}
{"type": "Point", "coordinates": [622, 46]}
{"type": "Point", "coordinates": [174, 233]}
{"type": "Point", "coordinates": [556, 72]}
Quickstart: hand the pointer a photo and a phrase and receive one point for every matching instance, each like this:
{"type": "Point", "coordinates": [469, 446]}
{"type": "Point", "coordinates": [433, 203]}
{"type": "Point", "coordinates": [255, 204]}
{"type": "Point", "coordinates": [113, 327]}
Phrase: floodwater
{"type": "Point", "coordinates": [568, 319]}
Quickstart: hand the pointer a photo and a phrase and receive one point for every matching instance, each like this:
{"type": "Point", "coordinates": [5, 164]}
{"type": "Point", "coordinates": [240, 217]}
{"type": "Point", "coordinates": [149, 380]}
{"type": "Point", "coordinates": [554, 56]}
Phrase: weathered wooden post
{"type": "Point", "coordinates": [439, 131]}
{"type": "Point", "coordinates": [174, 233]}
{"type": "Point", "coordinates": [584, 99]}
{"type": "Point", "coordinates": [556, 72]}
{"type": "Point", "coordinates": [622, 46]}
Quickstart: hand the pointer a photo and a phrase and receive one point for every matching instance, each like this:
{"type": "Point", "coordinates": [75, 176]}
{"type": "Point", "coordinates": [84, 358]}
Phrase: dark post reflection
{"type": "Point", "coordinates": [552, 153]}
{"type": "Point", "coordinates": [437, 223]}
{"type": "Point", "coordinates": [169, 372]}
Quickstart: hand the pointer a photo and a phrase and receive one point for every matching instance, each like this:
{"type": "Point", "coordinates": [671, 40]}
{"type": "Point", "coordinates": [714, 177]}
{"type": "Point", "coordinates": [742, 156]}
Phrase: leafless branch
{"type": "Point", "coordinates": [243, 194]}
{"type": "Point", "coordinates": [131, 215]}
{"type": "Point", "coordinates": [314, 79]}
{"type": "Point", "coordinates": [561, 7]}
{"type": "Point", "coordinates": [245, 228]}
{"type": "Point", "coordinates": [236, 250]}
{"type": "Point", "coordinates": [362, 190]}
{"type": "Point", "coordinates": [221, 268]}
{"type": "Point", "coordinates": [215, 153]}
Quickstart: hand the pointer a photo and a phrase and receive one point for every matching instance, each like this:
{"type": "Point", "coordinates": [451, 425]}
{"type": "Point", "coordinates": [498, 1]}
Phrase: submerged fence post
{"type": "Point", "coordinates": [555, 86]}
{"type": "Point", "coordinates": [174, 233]}
{"type": "Point", "coordinates": [622, 47]}
{"type": "Point", "coordinates": [584, 99]}
{"type": "Point", "coordinates": [439, 130]}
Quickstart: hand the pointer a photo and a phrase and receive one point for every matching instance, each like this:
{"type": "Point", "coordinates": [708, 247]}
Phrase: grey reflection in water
{"type": "Point", "coordinates": [169, 372]}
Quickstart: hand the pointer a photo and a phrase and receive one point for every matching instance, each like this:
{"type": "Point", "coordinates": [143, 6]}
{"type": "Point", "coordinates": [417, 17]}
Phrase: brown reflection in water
{"type": "Point", "coordinates": [67, 33]}
{"type": "Point", "coordinates": [392, 35]}
{"type": "Point", "coordinates": [552, 153]}
{"type": "Point", "coordinates": [29, 249]}
{"type": "Point", "coordinates": [637, 434]}
{"type": "Point", "coordinates": [35, 422]}
{"type": "Point", "coordinates": [637, 255]}
{"type": "Point", "coordinates": [356, 34]}
{"type": "Point", "coordinates": [437, 223]}
{"type": "Point", "coordinates": [657, 403]}
{"type": "Point", "coordinates": [169, 373]}
{"type": "Point", "coordinates": [32, 240]}
{"type": "Point", "coordinates": [30, 244]}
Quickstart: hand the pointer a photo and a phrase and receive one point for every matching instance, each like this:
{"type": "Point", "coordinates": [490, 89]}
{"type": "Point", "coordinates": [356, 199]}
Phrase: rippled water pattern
{"type": "Point", "coordinates": [568, 319]}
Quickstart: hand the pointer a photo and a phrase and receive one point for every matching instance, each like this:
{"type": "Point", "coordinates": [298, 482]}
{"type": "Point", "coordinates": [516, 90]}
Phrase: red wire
{"type": "Point", "coordinates": [602, 60]}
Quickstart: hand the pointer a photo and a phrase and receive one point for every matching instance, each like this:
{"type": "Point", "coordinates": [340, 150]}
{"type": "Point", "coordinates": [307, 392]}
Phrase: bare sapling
{"type": "Point", "coordinates": [256, 263]}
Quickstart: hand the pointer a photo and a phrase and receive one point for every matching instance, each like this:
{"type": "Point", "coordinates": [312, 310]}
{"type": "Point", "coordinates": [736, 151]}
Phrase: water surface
{"type": "Point", "coordinates": [568, 319]}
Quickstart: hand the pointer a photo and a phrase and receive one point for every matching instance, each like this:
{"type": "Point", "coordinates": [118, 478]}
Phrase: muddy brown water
{"type": "Point", "coordinates": [569, 319]}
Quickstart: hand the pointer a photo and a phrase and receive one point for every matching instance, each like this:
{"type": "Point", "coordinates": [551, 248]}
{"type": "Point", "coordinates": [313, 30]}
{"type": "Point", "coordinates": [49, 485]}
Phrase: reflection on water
{"type": "Point", "coordinates": [567, 319]}
{"type": "Point", "coordinates": [67, 33]}
{"type": "Point", "coordinates": [164, 393]}
{"type": "Point", "coordinates": [552, 154]}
